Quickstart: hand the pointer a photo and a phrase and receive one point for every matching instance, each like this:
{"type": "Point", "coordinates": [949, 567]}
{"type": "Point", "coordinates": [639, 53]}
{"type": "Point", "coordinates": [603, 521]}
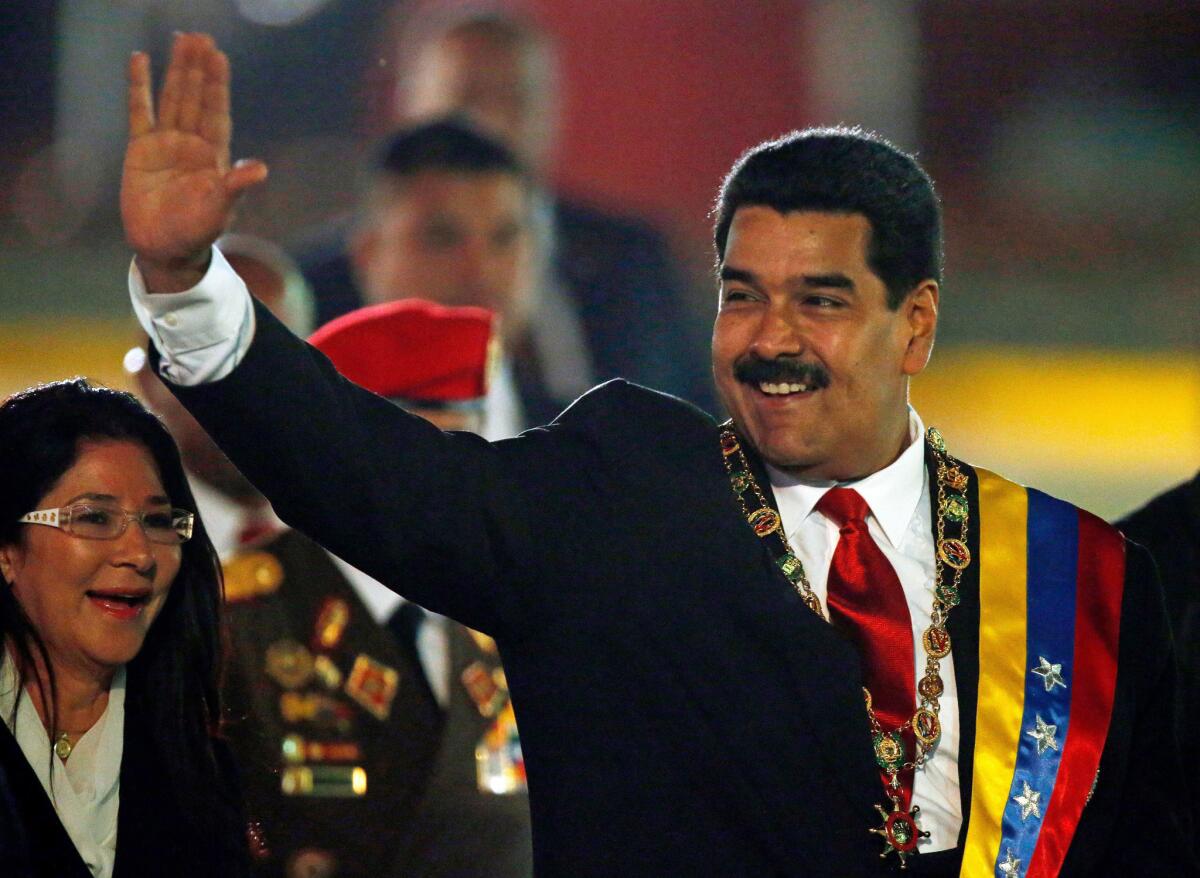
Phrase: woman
{"type": "Point", "coordinates": [109, 612]}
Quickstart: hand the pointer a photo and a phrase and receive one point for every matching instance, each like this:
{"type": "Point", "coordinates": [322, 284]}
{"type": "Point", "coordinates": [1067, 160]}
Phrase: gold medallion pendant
{"type": "Point", "coordinates": [899, 830]}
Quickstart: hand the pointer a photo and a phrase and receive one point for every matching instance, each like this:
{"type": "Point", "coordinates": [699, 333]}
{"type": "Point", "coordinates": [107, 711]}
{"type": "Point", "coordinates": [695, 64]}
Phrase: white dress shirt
{"type": "Point", "coordinates": [900, 525]}
{"type": "Point", "coordinates": [85, 790]}
{"type": "Point", "coordinates": [203, 334]}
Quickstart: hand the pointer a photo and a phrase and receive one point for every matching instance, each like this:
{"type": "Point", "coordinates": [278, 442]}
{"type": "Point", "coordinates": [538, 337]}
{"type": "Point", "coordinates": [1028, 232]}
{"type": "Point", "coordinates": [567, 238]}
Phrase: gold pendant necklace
{"type": "Point", "coordinates": [900, 830]}
{"type": "Point", "coordinates": [63, 746]}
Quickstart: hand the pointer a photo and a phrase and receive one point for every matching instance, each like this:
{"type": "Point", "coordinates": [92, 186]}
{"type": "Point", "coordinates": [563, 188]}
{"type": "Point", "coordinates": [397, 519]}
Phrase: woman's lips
{"type": "Point", "coordinates": [120, 605]}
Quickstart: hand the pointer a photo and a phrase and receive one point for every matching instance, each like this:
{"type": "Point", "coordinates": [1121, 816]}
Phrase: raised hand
{"type": "Point", "coordinates": [178, 190]}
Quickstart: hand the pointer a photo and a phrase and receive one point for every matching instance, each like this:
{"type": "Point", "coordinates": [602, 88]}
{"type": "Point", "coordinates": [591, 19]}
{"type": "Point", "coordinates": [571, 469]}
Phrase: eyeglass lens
{"type": "Point", "coordinates": [96, 521]}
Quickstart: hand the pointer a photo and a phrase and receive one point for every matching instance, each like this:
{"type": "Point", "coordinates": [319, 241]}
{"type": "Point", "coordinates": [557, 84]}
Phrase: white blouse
{"type": "Point", "coordinates": [85, 789]}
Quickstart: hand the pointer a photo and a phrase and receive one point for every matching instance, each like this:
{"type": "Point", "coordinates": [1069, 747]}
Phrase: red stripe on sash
{"type": "Point", "coordinates": [1099, 586]}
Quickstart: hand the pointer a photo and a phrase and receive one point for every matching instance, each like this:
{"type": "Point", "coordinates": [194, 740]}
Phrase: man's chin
{"type": "Point", "coordinates": [786, 454]}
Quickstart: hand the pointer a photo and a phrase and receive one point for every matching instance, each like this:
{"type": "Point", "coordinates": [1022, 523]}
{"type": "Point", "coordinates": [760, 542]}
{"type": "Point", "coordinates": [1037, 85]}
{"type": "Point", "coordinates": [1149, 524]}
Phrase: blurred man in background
{"type": "Point", "coordinates": [595, 274]}
{"type": "Point", "coordinates": [446, 216]}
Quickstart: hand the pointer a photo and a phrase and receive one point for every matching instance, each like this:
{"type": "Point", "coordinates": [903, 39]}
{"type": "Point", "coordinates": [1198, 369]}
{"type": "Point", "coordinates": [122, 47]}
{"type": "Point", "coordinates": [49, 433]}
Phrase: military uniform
{"type": "Point", "coordinates": [350, 765]}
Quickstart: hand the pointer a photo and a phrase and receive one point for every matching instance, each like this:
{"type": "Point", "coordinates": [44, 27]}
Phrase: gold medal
{"type": "Point", "coordinates": [250, 575]}
{"type": "Point", "coordinates": [483, 689]}
{"type": "Point", "coordinates": [289, 664]}
{"type": "Point", "coordinates": [327, 672]}
{"type": "Point", "coordinates": [956, 480]}
{"type": "Point", "coordinates": [764, 520]}
{"type": "Point", "coordinates": [931, 686]}
{"type": "Point", "coordinates": [889, 751]}
{"type": "Point", "coordinates": [373, 685]}
{"type": "Point", "coordinates": [899, 830]}
{"type": "Point", "coordinates": [935, 439]}
{"type": "Point", "coordinates": [927, 727]}
{"type": "Point", "coordinates": [332, 619]}
{"type": "Point", "coordinates": [955, 553]}
{"type": "Point", "coordinates": [936, 642]}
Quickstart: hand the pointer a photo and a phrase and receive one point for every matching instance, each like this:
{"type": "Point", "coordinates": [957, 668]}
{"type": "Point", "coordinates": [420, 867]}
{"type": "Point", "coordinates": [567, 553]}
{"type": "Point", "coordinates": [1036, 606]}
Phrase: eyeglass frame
{"type": "Point", "coordinates": [60, 518]}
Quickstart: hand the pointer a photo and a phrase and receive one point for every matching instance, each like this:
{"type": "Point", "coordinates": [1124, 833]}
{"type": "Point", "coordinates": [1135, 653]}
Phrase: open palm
{"type": "Point", "coordinates": [178, 190]}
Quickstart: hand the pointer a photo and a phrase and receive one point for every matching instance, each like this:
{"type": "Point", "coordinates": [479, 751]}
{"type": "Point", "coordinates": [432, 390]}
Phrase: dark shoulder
{"type": "Point", "coordinates": [625, 425]}
{"type": "Point", "coordinates": [623, 403]}
{"type": "Point", "coordinates": [1173, 512]}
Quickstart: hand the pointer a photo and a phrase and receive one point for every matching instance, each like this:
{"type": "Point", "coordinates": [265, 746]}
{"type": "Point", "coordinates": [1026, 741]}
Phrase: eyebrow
{"type": "Point", "coordinates": [834, 280]}
{"type": "Point", "coordinates": [153, 499]}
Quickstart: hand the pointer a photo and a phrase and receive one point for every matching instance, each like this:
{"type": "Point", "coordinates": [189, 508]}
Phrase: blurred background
{"type": "Point", "coordinates": [1064, 138]}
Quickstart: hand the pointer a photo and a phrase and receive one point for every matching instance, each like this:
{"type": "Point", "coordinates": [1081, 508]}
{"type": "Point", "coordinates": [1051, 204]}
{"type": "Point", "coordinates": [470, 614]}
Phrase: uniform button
{"type": "Point", "coordinates": [171, 320]}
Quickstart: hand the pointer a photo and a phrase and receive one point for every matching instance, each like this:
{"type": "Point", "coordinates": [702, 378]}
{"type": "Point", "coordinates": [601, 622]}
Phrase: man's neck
{"type": "Point", "coordinates": [879, 457]}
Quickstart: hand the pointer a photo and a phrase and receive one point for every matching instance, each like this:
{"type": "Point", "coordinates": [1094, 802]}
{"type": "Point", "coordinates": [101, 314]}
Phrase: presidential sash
{"type": "Point", "coordinates": [1051, 578]}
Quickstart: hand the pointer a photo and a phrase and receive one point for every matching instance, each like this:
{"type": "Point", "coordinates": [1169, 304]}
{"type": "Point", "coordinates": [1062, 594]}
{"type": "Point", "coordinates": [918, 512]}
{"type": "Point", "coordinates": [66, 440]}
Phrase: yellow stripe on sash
{"type": "Point", "coordinates": [1003, 509]}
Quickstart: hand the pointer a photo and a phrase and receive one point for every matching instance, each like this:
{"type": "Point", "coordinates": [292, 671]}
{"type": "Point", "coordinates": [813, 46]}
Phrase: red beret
{"type": "Point", "coordinates": [412, 349]}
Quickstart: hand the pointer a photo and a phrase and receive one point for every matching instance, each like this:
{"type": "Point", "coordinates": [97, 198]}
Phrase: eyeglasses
{"type": "Point", "coordinates": [107, 521]}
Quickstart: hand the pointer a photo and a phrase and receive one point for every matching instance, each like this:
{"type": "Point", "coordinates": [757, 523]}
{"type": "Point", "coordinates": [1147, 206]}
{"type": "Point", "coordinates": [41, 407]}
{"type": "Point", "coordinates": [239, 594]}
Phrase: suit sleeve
{"type": "Point", "coordinates": [436, 516]}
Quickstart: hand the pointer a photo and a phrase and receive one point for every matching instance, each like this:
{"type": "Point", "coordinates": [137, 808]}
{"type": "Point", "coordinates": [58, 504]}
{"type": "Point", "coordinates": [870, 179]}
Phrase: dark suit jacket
{"type": "Point", "coordinates": [618, 274]}
{"type": "Point", "coordinates": [153, 838]}
{"type": "Point", "coordinates": [421, 813]}
{"type": "Point", "coordinates": [681, 712]}
{"type": "Point", "coordinates": [1169, 526]}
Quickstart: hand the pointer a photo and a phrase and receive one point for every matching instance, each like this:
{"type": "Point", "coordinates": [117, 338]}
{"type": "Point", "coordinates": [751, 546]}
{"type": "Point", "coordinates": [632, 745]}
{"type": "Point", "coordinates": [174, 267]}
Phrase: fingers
{"type": "Point", "coordinates": [172, 90]}
{"type": "Point", "coordinates": [141, 105]}
{"type": "Point", "coordinates": [243, 175]}
{"type": "Point", "coordinates": [215, 124]}
{"type": "Point", "coordinates": [200, 48]}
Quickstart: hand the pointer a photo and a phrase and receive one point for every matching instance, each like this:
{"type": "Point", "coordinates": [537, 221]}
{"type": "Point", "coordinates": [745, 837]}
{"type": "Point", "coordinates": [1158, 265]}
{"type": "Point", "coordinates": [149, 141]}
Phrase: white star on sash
{"type": "Point", "coordinates": [1029, 800]}
{"type": "Point", "coordinates": [1011, 865]}
{"type": "Point", "coordinates": [1051, 674]}
{"type": "Point", "coordinates": [1044, 734]}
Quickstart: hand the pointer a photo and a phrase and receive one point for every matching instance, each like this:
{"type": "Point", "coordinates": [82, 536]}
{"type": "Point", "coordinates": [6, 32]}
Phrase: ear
{"type": "Point", "coordinates": [920, 309]}
{"type": "Point", "coordinates": [10, 562]}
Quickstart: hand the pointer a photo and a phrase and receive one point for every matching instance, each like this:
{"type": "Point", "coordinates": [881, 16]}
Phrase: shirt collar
{"type": "Point", "coordinates": [893, 493]}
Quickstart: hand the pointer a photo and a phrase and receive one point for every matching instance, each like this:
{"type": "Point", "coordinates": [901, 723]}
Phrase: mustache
{"type": "Point", "coordinates": [755, 370]}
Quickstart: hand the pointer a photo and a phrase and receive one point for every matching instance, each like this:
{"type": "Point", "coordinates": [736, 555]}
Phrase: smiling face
{"type": "Point", "coordinates": [92, 601]}
{"type": "Point", "coordinates": [808, 358]}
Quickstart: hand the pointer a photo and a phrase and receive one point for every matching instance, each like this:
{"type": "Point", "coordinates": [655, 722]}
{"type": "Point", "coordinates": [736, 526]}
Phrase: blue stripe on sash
{"type": "Point", "coordinates": [1053, 541]}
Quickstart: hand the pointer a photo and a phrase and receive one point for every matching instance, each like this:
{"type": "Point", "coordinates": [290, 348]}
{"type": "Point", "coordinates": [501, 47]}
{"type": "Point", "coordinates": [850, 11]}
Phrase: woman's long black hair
{"type": "Point", "coordinates": [173, 683]}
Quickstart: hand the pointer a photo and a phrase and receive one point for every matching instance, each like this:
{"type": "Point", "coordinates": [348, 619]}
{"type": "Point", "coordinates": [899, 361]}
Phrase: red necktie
{"type": "Point", "coordinates": [866, 600]}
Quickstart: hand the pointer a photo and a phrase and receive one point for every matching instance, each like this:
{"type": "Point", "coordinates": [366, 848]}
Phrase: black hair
{"type": "Point", "coordinates": [448, 144]}
{"type": "Point", "coordinates": [845, 170]}
{"type": "Point", "coordinates": [173, 682]}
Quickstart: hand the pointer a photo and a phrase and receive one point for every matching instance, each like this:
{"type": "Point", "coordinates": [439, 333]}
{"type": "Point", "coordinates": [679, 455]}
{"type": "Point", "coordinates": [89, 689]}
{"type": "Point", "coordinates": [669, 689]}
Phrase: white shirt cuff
{"type": "Point", "coordinates": [201, 333]}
